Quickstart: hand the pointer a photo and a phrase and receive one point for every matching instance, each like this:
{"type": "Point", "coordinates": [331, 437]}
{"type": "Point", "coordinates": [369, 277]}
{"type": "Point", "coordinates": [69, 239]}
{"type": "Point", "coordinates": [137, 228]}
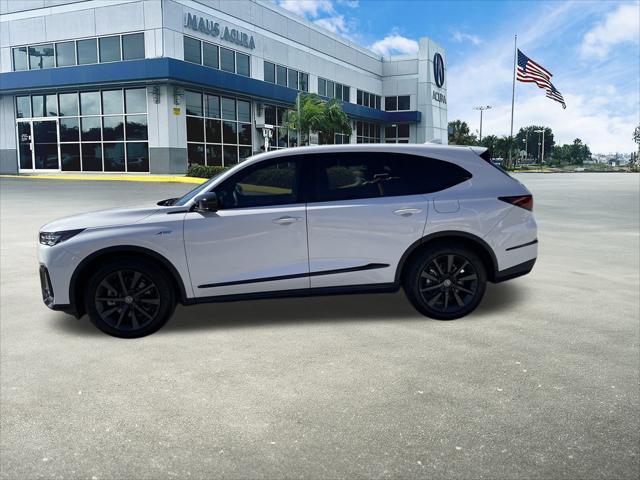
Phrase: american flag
{"type": "Point", "coordinates": [529, 71]}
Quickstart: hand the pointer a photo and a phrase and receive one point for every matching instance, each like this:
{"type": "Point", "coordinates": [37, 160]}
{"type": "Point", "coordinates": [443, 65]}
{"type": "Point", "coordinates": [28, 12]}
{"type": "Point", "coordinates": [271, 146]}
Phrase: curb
{"type": "Point", "coordinates": [117, 178]}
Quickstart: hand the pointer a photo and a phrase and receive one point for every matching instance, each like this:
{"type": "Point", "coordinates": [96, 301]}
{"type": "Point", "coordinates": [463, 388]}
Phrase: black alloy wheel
{"type": "Point", "coordinates": [129, 299]}
{"type": "Point", "coordinates": [446, 283]}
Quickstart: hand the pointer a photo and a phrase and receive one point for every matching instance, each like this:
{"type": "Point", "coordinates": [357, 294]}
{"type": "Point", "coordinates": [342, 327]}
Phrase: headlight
{"type": "Point", "coordinates": [53, 238]}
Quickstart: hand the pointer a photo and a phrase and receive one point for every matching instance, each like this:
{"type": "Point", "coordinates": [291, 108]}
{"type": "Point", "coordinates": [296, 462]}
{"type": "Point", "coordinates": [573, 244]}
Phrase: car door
{"type": "Point", "coordinates": [363, 214]}
{"type": "Point", "coordinates": [257, 240]}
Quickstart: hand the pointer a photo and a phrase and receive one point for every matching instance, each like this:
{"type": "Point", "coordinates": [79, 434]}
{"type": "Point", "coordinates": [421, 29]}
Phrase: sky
{"type": "Point", "coordinates": [591, 48]}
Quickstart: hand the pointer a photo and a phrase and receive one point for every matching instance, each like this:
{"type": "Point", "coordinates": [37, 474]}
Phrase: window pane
{"type": "Point", "coordinates": [137, 127]}
{"type": "Point", "coordinates": [227, 62]}
{"type": "Point", "coordinates": [90, 129]}
{"type": "Point", "coordinates": [331, 89]}
{"type": "Point", "coordinates": [282, 139]}
{"type": "Point", "coordinates": [113, 128]}
{"type": "Point", "coordinates": [114, 157]}
{"type": "Point", "coordinates": [403, 102]}
{"type": "Point", "coordinates": [37, 105]}
{"type": "Point", "coordinates": [90, 103]}
{"type": "Point", "coordinates": [228, 108]}
{"type": "Point", "coordinates": [346, 93]}
{"type": "Point", "coordinates": [109, 49]}
{"type": "Point", "coordinates": [136, 100]}
{"type": "Point", "coordinates": [359, 97]}
{"type": "Point", "coordinates": [403, 130]}
{"type": "Point", "coordinates": [133, 46]}
{"type": "Point", "coordinates": [281, 75]}
{"type": "Point", "coordinates": [229, 132]}
{"type": "Point", "coordinates": [68, 104]}
{"type": "Point", "coordinates": [195, 129]}
{"type": "Point", "coordinates": [293, 79]}
{"type": "Point", "coordinates": [269, 114]}
{"type": "Point", "coordinates": [193, 101]}
{"type": "Point", "coordinates": [213, 131]}
{"type": "Point", "coordinates": [244, 133]}
{"type": "Point", "coordinates": [138, 157]}
{"type": "Point", "coordinates": [87, 51]}
{"type": "Point", "coordinates": [192, 50]}
{"type": "Point", "coordinates": [212, 106]}
{"type": "Point", "coordinates": [378, 98]}
{"type": "Point", "coordinates": [70, 157]}
{"type": "Point", "coordinates": [66, 54]}
{"type": "Point", "coordinates": [271, 184]}
{"type": "Point", "coordinates": [41, 56]}
{"type": "Point", "coordinates": [322, 87]}
{"type": "Point", "coordinates": [69, 130]}
{"type": "Point", "coordinates": [230, 155]}
{"type": "Point", "coordinates": [91, 157]}
{"type": "Point", "coordinates": [51, 105]}
{"type": "Point", "coordinates": [304, 82]}
{"type": "Point", "coordinates": [280, 116]}
{"type": "Point", "coordinates": [242, 61]}
{"type": "Point", "coordinates": [338, 88]}
{"type": "Point", "coordinates": [20, 59]}
{"type": "Point", "coordinates": [391, 103]}
{"type": "Point", "coordinates": [269, 72]}
{"type": "Point", "coordinates": [214, 155]}
{"type": "Point", "coordinates": [112, 101]}
{"type": "Point", "coordinates": [244, 152]}
{"type": "Point", "coordinates": [23, 107]}
{"type": "Point", "coordinates": [195, 154]}
{"type": "Point", "coordinates": [210, 55]}
{"type": "Point", "coordinates": [244, 111]}
{"type": "Point", "coordinates": [390, 132]}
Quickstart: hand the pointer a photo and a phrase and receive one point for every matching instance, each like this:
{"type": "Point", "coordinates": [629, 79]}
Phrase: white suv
{"type": "Point", "coordinates": [438, 221]}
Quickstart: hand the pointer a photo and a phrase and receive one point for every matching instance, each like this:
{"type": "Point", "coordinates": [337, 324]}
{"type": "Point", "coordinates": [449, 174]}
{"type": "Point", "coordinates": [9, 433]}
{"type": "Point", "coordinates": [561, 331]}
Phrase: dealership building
{"type": "Point", "coordinates": [153, 86]}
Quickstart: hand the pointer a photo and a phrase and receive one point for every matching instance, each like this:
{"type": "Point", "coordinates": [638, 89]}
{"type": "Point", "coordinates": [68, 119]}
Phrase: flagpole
{"type": "Point", "coordinates": [513, 93]}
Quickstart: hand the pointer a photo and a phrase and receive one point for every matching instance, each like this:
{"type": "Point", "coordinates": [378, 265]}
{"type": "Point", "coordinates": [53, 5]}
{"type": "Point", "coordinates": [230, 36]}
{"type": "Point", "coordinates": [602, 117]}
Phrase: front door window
{"type": "Point", "coordinates": [24, 145]}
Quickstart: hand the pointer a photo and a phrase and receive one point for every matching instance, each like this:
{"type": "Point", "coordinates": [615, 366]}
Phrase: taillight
{"type": "Point", "coordinates": [522, 201]}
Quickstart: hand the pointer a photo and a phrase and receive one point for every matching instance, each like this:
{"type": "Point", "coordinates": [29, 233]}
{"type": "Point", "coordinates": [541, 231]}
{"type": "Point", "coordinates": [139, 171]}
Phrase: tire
{"type": "Point", "coordinates": [446, 282]}
{"type": "Point", "coordinates": [129, 298]}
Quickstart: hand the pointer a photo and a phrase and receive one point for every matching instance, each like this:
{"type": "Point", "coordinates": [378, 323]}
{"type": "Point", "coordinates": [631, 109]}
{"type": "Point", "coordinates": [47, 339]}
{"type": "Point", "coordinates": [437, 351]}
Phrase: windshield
{"type": "Point", "coordinates": [200, 188]}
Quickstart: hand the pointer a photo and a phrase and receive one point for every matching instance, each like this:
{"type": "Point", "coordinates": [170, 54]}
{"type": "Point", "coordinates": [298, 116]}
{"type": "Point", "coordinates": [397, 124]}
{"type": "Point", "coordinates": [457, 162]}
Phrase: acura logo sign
{"type": "Point", "coordinates": [438, 70]}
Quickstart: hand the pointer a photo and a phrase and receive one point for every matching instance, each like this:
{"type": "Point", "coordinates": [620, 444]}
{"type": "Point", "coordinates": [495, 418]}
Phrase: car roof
{"type": "Point", "coordinates": [445, 152]}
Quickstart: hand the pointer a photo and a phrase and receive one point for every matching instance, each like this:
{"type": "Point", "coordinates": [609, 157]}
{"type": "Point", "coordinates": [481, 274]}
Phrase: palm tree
{"type": "Point", "coordinates": [313, 114]}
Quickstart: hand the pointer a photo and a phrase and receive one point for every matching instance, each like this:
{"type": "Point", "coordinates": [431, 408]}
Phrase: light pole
{"type": "Point", "coordinates": [542, 149]}
{"type": "Point", "coordinates": [482, 109]}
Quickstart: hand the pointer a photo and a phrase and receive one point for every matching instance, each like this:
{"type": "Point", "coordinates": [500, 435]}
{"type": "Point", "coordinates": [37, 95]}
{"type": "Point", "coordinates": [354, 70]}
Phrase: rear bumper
{"type": "Point", "coordinates": [515, 271]}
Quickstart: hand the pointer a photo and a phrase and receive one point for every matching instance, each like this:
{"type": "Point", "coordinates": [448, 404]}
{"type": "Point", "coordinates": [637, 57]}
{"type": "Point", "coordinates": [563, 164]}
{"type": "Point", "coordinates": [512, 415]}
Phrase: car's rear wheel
{"type": "Point", "coordinates": [446, 282]}
{"type": "Point", "coordinates": [129, 298]}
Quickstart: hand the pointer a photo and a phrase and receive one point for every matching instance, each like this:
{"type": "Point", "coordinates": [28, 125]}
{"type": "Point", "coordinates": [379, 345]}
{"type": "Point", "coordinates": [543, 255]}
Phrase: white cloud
{"type": "Point", "coordinates": [349, 3]}
{"type": "Point", "coordinates": [619, 26]}
{"type": "Point", "coordinates": [465, 37]}
{"type": "Point", "coordinates": [307, 8]}
{"type": "Point", "coordinates": [395, 44]}
{"type": "Point", "coordinates": [335, 24]}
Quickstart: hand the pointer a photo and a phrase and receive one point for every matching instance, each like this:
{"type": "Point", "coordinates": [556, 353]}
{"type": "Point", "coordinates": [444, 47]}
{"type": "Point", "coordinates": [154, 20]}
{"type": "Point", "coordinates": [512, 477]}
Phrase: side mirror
{"type": "Point", "coordinates": [207, 202]}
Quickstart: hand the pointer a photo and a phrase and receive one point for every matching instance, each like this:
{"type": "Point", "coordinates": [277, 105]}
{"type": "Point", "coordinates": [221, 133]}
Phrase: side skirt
{"type": "Point", "coordinates": [302, 292]}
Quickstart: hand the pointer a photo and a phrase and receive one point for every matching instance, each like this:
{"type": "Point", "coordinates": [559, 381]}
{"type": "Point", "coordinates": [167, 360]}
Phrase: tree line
{"type": "Point", "coordinates": [526, 146]}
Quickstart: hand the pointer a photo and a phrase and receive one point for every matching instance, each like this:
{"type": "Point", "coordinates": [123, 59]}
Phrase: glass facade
{"type": "Point", "coordinates": [214, 56]}
{"type": "Point", "coordinates": [287, 77]}
{"type": "Point", "coordinates": [282, 137]}
{"type": "Point", "coordinates": [98, 130]}
{"type": "Point", "coordinates": [367, 99]}
{"type": "Point", "coordinates": [367, 132]}
{"type": "Point", "coordinates": [396, 133]}
{"type": "Point", "coordinates": [401, 102]}
{"type": "Point", "coordinates": [328, 88]}
{"type": "Point", "coordinates": [218, 129]}
{"type": "Point", "coordinates": [113, 48]}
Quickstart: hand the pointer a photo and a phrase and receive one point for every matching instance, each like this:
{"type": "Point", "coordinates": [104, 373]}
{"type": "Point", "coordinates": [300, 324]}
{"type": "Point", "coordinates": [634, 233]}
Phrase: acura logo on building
{"type": "Point", "coordinates": [438, 70]}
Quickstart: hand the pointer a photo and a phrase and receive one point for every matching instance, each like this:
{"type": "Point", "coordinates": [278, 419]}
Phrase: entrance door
{"type": "Point", "coordinates": [25, 145]}
{"type": "Point", "coordinates": [45, 145]}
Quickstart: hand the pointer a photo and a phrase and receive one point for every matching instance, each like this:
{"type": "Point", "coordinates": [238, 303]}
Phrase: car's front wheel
{"type": "Point", "coordinates": [446, 282]}
{"type": "Point", "coordinates": [129, 298]}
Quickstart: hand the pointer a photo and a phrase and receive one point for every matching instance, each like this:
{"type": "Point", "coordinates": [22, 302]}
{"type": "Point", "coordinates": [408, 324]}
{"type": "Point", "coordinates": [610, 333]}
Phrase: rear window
{"type": "Point", "coordinates": [353, 175]}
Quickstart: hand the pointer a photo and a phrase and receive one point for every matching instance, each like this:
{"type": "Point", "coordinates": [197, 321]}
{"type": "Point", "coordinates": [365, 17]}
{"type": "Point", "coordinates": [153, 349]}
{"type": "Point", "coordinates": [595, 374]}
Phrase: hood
{"type": "Point", "coordinates": [102, 218]}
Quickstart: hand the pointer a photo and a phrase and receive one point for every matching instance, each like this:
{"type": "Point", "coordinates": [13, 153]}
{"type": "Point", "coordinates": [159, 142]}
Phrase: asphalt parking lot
{"type": "Point", "coordinates": [542, 381]}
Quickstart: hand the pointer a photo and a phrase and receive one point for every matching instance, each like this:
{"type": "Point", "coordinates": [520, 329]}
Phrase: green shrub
{"type": "Point", "coordinates": [204, 171]}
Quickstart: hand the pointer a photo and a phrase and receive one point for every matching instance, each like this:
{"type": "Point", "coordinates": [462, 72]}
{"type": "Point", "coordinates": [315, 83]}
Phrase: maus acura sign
{"type": "Point", "coordinates": [210, 27]}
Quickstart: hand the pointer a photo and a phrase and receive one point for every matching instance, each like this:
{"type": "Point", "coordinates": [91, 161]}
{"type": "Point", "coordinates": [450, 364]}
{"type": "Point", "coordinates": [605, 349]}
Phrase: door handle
{"type": "Point", "coordinates": [286, 220]}
{"type": "Point", "coordinates": [407, 212]}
